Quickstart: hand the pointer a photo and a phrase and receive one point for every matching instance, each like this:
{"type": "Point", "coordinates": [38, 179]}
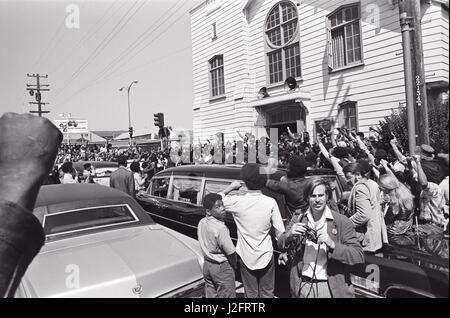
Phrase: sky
{"type": "Point", "coordinates": [89, 56]}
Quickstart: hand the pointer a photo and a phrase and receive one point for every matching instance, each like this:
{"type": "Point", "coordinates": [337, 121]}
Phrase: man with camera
{"type": "Point", "coordinates": [322, 245]}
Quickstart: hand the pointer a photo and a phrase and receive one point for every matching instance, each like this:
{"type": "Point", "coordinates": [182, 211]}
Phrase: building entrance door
{"type": "Point", "coordinates": [291, 115]}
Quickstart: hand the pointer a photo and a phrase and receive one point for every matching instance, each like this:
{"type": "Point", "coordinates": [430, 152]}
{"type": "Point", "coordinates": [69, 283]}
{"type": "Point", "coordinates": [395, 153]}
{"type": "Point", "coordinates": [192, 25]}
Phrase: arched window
{"type": "Point", "coordinates": [282, 42]}
{"type": "Point", "coordinates": [344, 37]}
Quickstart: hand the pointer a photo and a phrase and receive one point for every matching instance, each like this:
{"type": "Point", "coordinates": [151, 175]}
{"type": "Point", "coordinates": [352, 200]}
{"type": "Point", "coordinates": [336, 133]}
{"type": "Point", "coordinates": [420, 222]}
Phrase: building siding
{"type": "Point", "coordinates": [377, 86]}
{"type": "Point", "coordinates": [435, 42]}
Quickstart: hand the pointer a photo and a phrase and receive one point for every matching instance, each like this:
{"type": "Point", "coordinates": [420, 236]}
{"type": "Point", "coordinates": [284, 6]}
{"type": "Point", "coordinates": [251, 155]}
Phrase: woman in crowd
{"type": "Point", "coordinates": [68, 173]}
{"type": "Point", "coordinates": [399, 203]}
{"type": "Point", "coordinates": [139, 181]}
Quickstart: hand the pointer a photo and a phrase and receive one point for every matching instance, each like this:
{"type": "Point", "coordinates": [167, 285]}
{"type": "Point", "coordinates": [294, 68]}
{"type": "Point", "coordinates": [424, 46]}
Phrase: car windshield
{"type": "Point", "coordinates": [88, 218]}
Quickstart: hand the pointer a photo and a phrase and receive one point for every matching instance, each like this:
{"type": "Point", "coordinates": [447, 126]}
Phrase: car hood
{"type": "Point", "coordinates": [144, 261]}
{"type": "Point", "coordinates": [427, 252]}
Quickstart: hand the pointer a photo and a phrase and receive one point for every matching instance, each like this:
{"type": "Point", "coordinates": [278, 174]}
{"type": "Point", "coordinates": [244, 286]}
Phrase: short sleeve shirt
{"type": "Point", "coordinates": [214, 238]}
{"type": "Point", "coordinates": [255, 214]}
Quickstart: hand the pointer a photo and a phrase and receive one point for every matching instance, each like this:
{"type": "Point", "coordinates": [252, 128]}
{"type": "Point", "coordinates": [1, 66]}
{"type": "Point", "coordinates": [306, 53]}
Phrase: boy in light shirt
{"type": "Point", "coordinates": [218, 250]}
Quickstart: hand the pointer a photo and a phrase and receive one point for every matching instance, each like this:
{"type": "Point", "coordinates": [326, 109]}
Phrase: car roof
{"type": "Point", "coordinates": [59, 193]}
{"type": "Point", "coordinates": [57, 198]}
{"type": "Point", "coordinates": [226, 171]}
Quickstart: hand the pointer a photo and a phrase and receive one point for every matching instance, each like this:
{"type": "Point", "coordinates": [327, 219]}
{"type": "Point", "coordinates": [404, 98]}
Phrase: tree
{"type": "Point", "coordinates": [397, 123]}
{"type": "Point", "coordinates": [438, 118]}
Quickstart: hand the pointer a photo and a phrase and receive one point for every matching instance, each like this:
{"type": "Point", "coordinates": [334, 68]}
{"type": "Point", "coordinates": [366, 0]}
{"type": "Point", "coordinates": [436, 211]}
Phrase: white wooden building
{"type": "Point", "coordinates": [345, 58]}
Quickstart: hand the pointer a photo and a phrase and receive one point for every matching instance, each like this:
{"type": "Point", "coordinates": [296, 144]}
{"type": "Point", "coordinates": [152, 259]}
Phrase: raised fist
{"type": "Point", "coordinates": [29, 145]}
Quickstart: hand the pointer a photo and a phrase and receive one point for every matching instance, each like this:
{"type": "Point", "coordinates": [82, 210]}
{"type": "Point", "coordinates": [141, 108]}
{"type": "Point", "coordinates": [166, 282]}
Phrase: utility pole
{"type": "Point", "coordinates": [421, 105]}
{"type": "Point", "coordinates": [38, 88]}
{"type": "Point", "coordinates": [406, 27]}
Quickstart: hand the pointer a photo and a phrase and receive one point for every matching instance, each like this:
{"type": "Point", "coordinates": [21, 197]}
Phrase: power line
{"type": "Point", "coordinates": [100, 75]}
{"type": "Point", "coordinates": [135, 44]}
{"type": "Point", "coordinates": [88, 36]}
{"type": "Point", "coordinates": [101, 46]}
{"type": "Point", "coordinates": [151, 42]}
{"type": "Point", "coordinates": [93, 83]}
{"type": "Point", "coordinates": [51, 48]}
{"type": "Point", "coordinates": [44, 52]}
{"type": "Point", "coordinates": [149, 62]}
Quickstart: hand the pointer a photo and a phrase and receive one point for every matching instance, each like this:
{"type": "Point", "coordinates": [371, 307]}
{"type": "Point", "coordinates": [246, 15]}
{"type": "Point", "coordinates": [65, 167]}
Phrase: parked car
{"type": "Point", "coordinates": [101, 243]}
{"type": "Point", "coordinates": [174, 199]}
{"type": "Point", "coordinates": [103, 170]}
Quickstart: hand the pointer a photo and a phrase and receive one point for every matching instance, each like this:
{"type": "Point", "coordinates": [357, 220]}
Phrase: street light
{"type": "Point", "coordinates": [129, 112]}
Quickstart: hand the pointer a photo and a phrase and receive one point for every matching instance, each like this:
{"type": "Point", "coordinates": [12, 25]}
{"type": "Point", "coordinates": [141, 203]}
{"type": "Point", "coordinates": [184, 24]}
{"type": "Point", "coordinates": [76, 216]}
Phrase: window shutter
{"type": "Point", "coordinates": [329, 46]}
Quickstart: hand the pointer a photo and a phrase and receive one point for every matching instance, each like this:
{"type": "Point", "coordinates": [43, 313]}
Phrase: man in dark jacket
{"type": "Point", "coordinates": [293, 184]}
{"type": "Point", "coordinates": [122, 178]}
{"type": "Point", "coordinates": [29, 146]}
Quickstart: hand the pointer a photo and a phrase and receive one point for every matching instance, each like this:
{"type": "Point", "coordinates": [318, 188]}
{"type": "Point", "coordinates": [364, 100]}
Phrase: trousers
{"type": "Point", "coordinates": [259, 283]}
{"type": "Point", "coordinates": [219, 280]}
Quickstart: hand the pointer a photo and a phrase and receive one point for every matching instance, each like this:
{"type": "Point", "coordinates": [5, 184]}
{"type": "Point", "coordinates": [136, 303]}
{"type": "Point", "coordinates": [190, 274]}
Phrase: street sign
{"type": "Point", "coordinates": [72, 126]}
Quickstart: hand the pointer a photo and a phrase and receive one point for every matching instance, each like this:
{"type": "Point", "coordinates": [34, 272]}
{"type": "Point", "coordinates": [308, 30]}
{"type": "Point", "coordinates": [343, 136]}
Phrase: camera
{"type": "Point", "coordinates": [311, 234]}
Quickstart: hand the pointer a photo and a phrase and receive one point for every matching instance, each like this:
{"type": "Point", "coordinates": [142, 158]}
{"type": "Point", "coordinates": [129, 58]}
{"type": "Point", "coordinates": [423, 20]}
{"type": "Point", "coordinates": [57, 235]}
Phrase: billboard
{"type": "Point", "coordinates": [72, 126]}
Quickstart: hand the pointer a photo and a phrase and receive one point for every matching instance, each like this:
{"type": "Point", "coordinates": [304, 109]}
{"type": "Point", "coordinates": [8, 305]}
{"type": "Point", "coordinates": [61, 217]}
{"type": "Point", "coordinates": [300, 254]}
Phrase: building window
{"type": "Point", "coordinates": [214, 31]}
{"type": "Point", "coordinates": [344, 37]}
{"type": "Point", "coordinates": [283, 45]}
{"type": "Point", "coordinates": [217, 77]}
{"type": "Point", "coordinates": [347, 115]}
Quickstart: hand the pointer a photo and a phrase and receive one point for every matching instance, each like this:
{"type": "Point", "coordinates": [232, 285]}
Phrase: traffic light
{"type": "Point", "coordinates": [159, 119]}
{"type": "Point", "coordinates": [130, 131]}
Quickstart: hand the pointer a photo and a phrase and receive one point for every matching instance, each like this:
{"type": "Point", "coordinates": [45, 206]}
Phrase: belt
{"type": "Point", "coordinates": [213, 262]}
{"type": "Point", "coordinates": [309, 279]}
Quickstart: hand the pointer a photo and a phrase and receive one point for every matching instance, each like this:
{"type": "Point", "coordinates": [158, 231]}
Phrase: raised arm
{"type": "Point", "coordinates": [240, 135]}
{"type": "Point", "coordinates": [22, 170]}
{"type": "Point", "coordinates": [363, 147]}
{"type": "Point", "coordinates": [394, 144]}
{"type": "Point", "coordinates": [423, 181]}
{"type": "Point", "coordinates": [385, 165]}
{"type": "Point", "coordinates": [333, 160]}
{"type": "Point", "coordinates": [290, 132]}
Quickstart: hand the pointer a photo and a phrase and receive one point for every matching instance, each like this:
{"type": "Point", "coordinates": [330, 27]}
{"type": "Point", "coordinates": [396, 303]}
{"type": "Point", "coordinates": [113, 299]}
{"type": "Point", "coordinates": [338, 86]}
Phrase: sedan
{"type": "Point", "coordinates": [101, 243]}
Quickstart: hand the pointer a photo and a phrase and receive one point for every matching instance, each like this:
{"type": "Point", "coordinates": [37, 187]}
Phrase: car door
{"type": "Point", "coordinates": [156, 203]}
{"type": "Point", "coordinates": [185, 199]}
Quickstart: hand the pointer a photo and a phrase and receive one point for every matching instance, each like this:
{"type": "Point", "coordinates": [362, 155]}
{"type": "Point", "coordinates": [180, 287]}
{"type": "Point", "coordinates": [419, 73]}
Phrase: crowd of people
{"type": "Point", "coordinates": [386, 191]}
{"type": "Point", "coordinates": [375, 175]}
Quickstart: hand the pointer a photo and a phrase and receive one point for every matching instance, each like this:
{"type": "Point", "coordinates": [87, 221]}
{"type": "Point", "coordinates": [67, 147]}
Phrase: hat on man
{"type": "Point", "coordinates": [426, 152]}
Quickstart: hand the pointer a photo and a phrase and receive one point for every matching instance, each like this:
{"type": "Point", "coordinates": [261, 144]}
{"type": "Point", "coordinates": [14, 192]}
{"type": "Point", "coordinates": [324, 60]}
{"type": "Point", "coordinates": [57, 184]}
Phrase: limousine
{"type": "Point", "coordinates": [408, 267]}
